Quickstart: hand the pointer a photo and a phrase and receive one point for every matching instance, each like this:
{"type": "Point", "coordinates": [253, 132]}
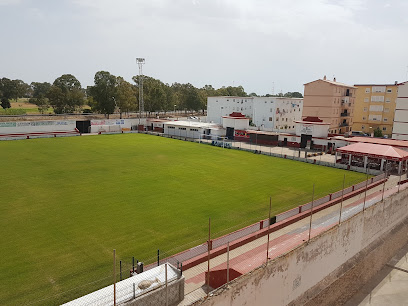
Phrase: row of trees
{"type": "Point", "coordinates": [112, 93]}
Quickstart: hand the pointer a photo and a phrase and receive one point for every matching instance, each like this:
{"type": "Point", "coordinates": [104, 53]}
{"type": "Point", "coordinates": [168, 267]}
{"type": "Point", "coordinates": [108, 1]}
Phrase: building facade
{"type": "Point", "coordinates": [400, 128]}
{"type": "Point", "coordinates": [374, 107]}
{"type": "Point", "coordinates": [331, 101]}
{"type": "Point", "coordinates": [266, 113]}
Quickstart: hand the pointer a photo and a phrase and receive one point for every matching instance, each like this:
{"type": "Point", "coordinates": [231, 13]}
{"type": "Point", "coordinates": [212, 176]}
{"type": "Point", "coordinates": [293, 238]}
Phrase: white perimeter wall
{"type": "Point", "coordinates": [290, 276]}
{"type": "Point", "coordinates": [100, 125]}
{"type": "Point", "coordinates": [21, 127]}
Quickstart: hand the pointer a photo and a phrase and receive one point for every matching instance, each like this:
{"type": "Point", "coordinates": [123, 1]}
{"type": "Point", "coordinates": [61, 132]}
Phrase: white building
{"type": "Point", "coordinates": [400, 128]}
{"type": "Point", "coordinates": [194, 129]}
{"type": "Point", "coordinates": [267, 113]}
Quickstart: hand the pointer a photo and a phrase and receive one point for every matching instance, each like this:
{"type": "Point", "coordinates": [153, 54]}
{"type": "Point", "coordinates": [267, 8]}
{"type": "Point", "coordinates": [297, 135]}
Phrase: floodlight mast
{"type": "Point", "coordinates": [140, 61]}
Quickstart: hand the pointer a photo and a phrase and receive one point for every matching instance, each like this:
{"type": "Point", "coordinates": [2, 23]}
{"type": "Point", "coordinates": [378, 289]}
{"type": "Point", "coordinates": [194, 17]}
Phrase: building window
{"type": "Point", "coordinates": [387, 100]}
{"type": "Point", "coordinates": [377, 98]}
{"type": "Point", "coordinates": [385, 119]}
{"type": "Point", "coordinates": [367, 90]}
{"type": "Point", "coordinates": [365, 109]}
{"type": "Point", "coordinates": [277, 119]}
{"type": "Point", "coordinates": [386, 110]}
{"type": "Point", "coordinates": [363, 127]}
{"type": "Point", "coordinates": [270, 119]}
{"type": "Point", "coordinates": [378, 88]}
{"type": "Point", "coordinates": [389, 90]}
{"type": "Point", "coordinates": [364, 118]}
{"type": "Point", "coordinates": [365, 99]}
{"type": "Point", "coordinates": [384, 128]}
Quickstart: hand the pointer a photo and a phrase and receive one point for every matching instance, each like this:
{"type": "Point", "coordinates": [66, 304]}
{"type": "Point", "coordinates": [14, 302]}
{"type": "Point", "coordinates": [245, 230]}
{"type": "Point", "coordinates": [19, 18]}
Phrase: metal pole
{"type": "Point", "coordinates": [269, 226]}
{"type": "Point", "coordinates": [208, 259]}
{"type": "Point", "coordinates": [158, 257]}
{"type": "Point", "coordinates": [167, 289]}
{"type": "Point", "coordinates": [399, 182]}
{"type": "Point", "coordinates": [385, 179]}
{"type": "Point", "coordinates": [134, 290]}
{"type": "Point", "coordinates": [120, 269]}
{"type": "Point", "coordinates": [227, 262]}
{"type": "Point", "coordinates": [365, 191]}
{"type": "Point", "coordinates": [133, 264]}
{"type": "Point", "coordinates": [114, 277]}
{"type": "Point", "coordinates": [342, 193]}
{"type": "Point", "coordinates": [311, 212]}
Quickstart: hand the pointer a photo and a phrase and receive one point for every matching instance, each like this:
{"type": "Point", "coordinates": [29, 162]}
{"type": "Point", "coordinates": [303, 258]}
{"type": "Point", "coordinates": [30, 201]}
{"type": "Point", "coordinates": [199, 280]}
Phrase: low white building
{"type": "Point", "coordinates": [194, 129]}
{"type": "Point", "coordinates": [267, 113]}
{"type": "Point", "coordinates": [400, 128]}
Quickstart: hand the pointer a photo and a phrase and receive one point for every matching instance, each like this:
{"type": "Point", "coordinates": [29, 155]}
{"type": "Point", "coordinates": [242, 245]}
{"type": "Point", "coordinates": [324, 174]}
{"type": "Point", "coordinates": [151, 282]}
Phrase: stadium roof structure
{"type": "Point", "coordinates": [375, 151]}
{"type": "Point", "coordinates": [380, 141]}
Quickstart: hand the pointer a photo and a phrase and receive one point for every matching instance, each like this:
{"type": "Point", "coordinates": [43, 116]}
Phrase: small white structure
{"type": "Point", "coordinates": [194, 129]}
{"type": "Point", "coordinates": [268, 113]}
{"type": "Point", "coordinates": [400, 128]}
{"type": "Point", "coordinates": [131, 289]}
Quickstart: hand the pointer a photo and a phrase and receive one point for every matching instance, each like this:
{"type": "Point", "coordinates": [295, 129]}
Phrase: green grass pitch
{"type": "Point", "coordinates": [66, 203]}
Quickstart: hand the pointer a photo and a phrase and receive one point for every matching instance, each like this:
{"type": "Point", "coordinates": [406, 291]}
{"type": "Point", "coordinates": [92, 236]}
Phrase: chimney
{"type": "Point", "coordinates": [324, 78]}
{"type": "Point", "coordinates": [334, 79]}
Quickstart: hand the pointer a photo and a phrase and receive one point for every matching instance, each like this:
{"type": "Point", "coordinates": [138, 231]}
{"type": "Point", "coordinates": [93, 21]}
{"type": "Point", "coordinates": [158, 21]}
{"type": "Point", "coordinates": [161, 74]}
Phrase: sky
{"type": "Point", "coordinates": [267, 46]}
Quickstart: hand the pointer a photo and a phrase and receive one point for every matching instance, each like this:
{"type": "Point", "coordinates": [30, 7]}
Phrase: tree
{"type": "Point", "coordinates": [66, 95]}
{"type": "Point", "coordinates": [125, 96]}
{"type": "Point", "coordinates": [20, 89]}
{"type": "Point", "coordinates": [378, 132]}
{"type": "Point", "coordinates": [39, 95]}
{"type": "Point", "coordinates": [7, 90]}
{"type": "Point", "coordinates": [103, 92]}
{"type": "Point", "coordinates": [294, 94]}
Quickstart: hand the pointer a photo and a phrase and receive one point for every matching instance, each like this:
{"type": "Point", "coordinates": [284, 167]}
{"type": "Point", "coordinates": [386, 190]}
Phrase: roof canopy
{"type": "Point", "coordinates": [382, 141]}
{"type": "Point", "coordinates": [374, 151]}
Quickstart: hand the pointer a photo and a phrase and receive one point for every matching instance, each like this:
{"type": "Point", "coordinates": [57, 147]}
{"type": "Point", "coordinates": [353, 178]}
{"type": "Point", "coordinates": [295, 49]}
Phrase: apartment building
{"type": "Point", "coordinates": [331, 101]}
{"type": "Point", "coordinates": [374, 107]}
{"type": "Point", "coordinates": [277, 114]}
{"type": "Point", "coordinates": [400, 128]}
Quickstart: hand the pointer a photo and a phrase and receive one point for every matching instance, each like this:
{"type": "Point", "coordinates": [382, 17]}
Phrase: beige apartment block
{"type": "Point", "coordinates": [331, 101]}
{"type": "Point", "coordinates": [374, 107]}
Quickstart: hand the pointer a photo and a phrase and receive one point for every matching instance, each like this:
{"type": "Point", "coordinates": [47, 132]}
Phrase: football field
{"type": "Point", "coordinates": [66, 203]}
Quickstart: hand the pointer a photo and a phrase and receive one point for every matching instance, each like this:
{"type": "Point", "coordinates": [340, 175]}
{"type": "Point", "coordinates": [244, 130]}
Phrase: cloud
{"type": "Point", "coordinates": [9, 2]}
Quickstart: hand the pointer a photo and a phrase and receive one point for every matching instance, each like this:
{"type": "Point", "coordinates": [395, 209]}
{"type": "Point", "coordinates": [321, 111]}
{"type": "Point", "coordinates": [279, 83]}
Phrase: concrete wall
{"type": "Point", "coordinates": [400, 129]}
{"type": "Point", "coordinates": [157, 297]}
{"type": "Point", "coordinates": [309, 273]}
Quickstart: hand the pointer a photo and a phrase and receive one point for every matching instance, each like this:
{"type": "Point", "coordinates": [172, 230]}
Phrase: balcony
{"type": "Point", "coordinates": [345, 114]}
{"type": "Point", "coordinates": [344, 124]}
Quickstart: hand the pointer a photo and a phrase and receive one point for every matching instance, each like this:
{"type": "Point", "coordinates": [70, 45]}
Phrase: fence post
{"type": "Point", "coordinates": [114, 277]}
{"type": "Point", "coordinates": [227, 262]}
{"type": "Point", "coordinates": [342, 192]}
{"type": "Point", "coordinates": [167, 292]}
{"type": "Point", "coordinates": [158, 257]}
{"type": "Point", "coordinates": [269, 225]}
{"type": "Point", "coordinates": [120, 269]}
{"type": "Point", "coordinates": [365, 191]}
{"type": "Point", "coordinates": [311, 212]}
{"type": "Point", "coordinates": [208, 259]}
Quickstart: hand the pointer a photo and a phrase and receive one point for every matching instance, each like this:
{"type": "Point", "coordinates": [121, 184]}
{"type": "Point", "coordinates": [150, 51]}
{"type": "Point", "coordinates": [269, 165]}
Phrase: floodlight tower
{"type": "Point", "coordinates": [140, 61]}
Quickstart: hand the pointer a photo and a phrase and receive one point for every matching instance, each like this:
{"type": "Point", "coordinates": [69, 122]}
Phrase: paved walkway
{"type": "Point", "coordinates": [388, 286]}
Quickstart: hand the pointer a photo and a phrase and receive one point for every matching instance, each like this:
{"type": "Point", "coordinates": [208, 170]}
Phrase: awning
{"type": "Point", "coordinates": [374, 151]}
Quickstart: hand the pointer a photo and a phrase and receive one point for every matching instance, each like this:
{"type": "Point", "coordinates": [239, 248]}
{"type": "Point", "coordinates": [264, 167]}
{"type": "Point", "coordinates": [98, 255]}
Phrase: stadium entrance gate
{"type": "Point", "coordinates": [83, 126]}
